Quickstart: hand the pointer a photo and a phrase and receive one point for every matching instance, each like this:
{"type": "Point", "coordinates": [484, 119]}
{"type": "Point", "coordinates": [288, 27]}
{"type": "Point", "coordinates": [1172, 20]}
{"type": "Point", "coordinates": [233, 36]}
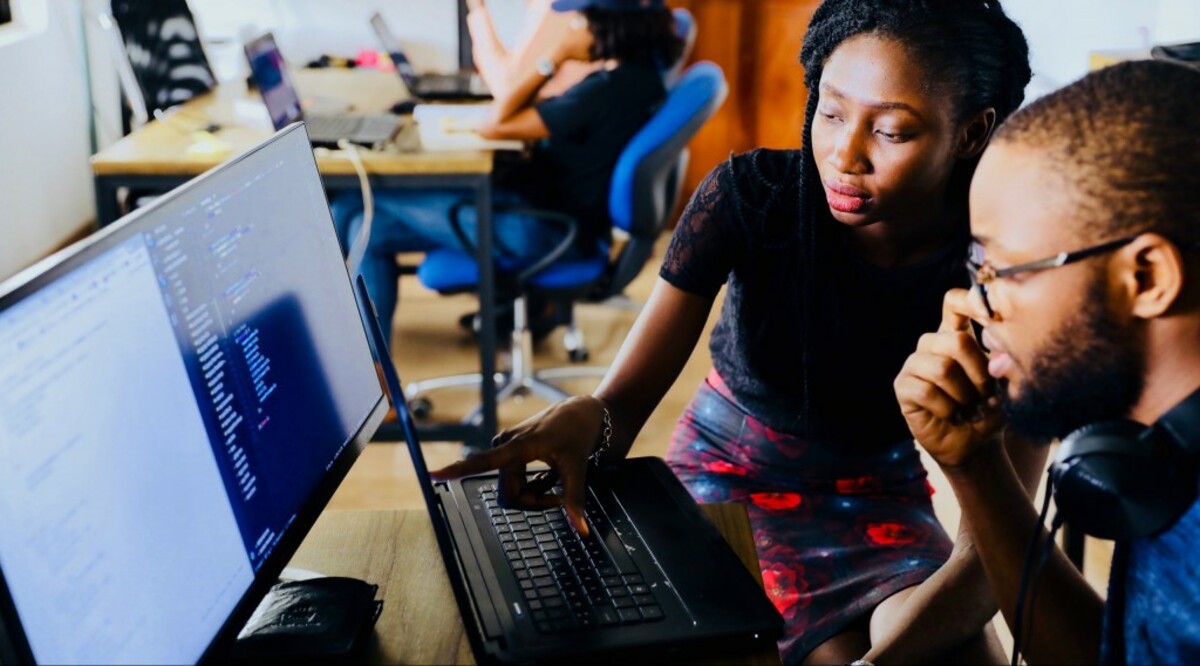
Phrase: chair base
{"type": "Point", "coordinates": [519, 380]}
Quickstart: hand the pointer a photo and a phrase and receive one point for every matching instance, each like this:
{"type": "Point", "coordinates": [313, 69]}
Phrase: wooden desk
{"type": "Point", "coordinates": [164, 155]}
{"type": "Point", "coordinates": [420, 623]}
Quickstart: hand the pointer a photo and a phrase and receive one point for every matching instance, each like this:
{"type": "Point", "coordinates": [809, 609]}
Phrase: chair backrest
{"type": "Point", "coordinates": [162, 50]}
{"type": "Point", "coordinates": [685, 28]}
{"type": "Point", "coordinates": [645, 183]}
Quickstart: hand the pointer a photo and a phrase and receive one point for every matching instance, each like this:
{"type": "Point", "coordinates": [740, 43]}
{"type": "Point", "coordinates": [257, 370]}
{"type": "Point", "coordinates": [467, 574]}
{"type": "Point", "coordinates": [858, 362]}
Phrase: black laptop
{"type": "Point", "coordinates": [654, 573]}
{"type": "Point", "coordinates": [463, 86]}
{"type": "Point", "coordinates": [283, 104]}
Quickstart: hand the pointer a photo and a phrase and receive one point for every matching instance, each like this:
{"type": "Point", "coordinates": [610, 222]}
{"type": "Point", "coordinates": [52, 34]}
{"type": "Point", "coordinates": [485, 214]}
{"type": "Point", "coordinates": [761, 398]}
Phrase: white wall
{"type": "Point", "coordinates": [45, 181]}
{"type": "Point", "coordinates": [1062, 33]}
{"type": "Point", "coordinates": [306, 29]}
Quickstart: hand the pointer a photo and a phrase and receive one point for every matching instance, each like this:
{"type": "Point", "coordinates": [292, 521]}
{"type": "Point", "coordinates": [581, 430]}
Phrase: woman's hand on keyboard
{"type": "Point", "coordinates": [563, 436]}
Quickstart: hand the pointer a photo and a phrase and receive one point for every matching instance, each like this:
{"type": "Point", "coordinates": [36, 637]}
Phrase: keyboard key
{"type": "Point", "coordinates": [534, 561]}
{"type": "Point", "coordinates": [611, 581]}
{"type": "Point", "coordinates": [607, 571]}
{"type": "Point", "coordinates": [629, 615]}
{"type": "Point", "coordinates": [517, 565]}
{"type": "Point", "coordinates": [544, 537]}
{"type": "Point", "coordinates": [643, 600]}
{"type": "Point", "coordinates": [526, 584]}
{"type": "Point", "coordinates": [522, 574]}
{"type": "Point", "coordinates": [553, 602]}
{"type": "Point", "coordinates": [634, 579]}
{"type": "Point", "coordinates": [544, 627]}
{"type": "Point", "coordinates": [530, 593]}
{"type": "Point", "coordinates": [529, 553]}
{"type": "Point", "coordinates": [639, 589]}
{"type": "Point", "coordinates": [549, 592]}
{"type": "Point", "coordinates": [618, 592]}
{"type": "Point", "coordinates": [651, 612]}
{"type": "Point", "coordinates": [607, 615]}
{"type": "Point", "coordinates": [623, 602]}
{"type": "Point", "coordinates": [539, 571]}
{"type": "Point", "coordinates": [543, 581]}
{"type": "Point", "coordinates": [535, 604]}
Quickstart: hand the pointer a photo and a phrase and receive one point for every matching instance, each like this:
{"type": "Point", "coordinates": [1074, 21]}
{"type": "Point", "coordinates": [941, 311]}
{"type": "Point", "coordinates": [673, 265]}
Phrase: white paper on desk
{"type": "Point", "coordinates": [452, 127]}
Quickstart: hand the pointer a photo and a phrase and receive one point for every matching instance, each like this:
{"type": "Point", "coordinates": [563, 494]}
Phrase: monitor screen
{"type": "Point", "coordinates": [178, 398]}
{"type": "Point", "coordinates": [271, 76]}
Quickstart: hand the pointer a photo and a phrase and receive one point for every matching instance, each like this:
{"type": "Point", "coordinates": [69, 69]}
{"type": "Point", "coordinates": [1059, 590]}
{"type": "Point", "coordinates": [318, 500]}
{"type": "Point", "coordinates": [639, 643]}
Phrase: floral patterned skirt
{"type": "Point", "coordinates": [836, 533]}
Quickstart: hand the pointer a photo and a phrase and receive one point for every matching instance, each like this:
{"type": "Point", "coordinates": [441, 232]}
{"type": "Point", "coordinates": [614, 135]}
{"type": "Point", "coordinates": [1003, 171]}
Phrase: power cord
{"type": "Point", "coordinates": [358, 248]}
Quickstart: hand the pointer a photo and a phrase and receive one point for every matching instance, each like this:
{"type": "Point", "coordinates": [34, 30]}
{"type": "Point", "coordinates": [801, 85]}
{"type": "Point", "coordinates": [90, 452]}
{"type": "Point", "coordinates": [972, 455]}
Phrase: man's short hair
{"type": "Point", "coordinates": [1127, 142]}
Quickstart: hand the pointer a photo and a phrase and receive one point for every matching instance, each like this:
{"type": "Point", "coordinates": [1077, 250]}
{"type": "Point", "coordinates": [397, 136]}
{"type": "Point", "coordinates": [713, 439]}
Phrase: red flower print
{"type": "Point", "coordinates": [785, 587]}
{"type": "Point", "coordinates": [891, 534]}
{"type": "Point", "coordinates": [862, 485]}
{"type": "Point", "coordinates": [722, 467]}
{"type": "Point", "coordinates": [929, 488]}
{"type": "Point", "coordinates": [776, 501]}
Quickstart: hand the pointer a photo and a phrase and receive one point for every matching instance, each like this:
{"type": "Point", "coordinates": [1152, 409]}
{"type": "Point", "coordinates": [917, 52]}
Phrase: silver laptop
{"type": "Point", "coordinates": [283, 104]}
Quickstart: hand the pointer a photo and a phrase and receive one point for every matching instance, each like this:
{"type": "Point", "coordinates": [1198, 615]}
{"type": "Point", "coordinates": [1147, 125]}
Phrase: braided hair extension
{"type": "Point", "coordinates": [971, 51]}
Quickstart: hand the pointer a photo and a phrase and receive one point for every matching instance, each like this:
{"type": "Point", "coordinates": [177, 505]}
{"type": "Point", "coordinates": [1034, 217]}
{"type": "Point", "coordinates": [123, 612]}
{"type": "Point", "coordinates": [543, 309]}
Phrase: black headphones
{"type": "Point", "coordinates": [1121, 480]}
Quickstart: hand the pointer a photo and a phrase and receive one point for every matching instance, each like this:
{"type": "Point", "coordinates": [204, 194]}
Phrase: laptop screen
{"type": "Point", "coordinates": [392, 45]}
{"type": "Point", "coordinates": [270, 75]}
{"type": "Point", "coordinates": [178, 399]}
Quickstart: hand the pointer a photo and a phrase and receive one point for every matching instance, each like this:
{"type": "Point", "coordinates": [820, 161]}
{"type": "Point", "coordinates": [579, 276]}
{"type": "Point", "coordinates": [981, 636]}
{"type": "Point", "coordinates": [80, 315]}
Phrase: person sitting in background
{"type": "Point", "coordinates": [541, 27]}
{"type": "Point", "coordinates": [1106, 173]}
{"type": "Point", "coordinates": [579, 136]}
{"type": "Point", "coordinates": [834, 259]}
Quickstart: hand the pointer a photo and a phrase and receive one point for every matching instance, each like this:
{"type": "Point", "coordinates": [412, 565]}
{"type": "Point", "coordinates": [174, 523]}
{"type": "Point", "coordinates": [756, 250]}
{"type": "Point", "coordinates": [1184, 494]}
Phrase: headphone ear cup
{"type": "Point", "coordinates": [1109, 482]}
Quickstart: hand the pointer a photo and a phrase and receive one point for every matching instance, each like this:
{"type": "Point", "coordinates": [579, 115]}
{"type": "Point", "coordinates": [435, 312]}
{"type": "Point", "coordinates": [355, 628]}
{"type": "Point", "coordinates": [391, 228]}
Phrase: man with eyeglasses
{"type": "Point", "coordinates": [1086, 214]}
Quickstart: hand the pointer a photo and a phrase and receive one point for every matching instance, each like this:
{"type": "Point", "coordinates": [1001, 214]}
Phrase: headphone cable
{"type": "Point", "coordinates": [1027, 569]}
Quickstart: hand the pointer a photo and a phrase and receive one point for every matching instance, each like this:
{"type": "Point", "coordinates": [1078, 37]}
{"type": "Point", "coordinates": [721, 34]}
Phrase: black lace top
{"type": "Point", "coordinates": [742, 228]}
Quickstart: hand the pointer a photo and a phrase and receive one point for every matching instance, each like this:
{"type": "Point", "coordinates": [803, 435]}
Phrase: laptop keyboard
{"type": "Point", "coordinates": [375, 128]}
{"type": "Point", "coordinates": [571, 582]}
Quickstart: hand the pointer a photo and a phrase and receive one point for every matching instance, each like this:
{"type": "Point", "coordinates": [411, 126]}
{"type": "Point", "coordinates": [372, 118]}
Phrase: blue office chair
{"type": "Point", "coordinates": [685, 27]}
{"type": "Point", "coordinates": [644, 190]}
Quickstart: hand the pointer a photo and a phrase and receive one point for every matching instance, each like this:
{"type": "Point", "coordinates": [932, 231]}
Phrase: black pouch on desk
{"type": "Point", "coordinates": [321, 619]}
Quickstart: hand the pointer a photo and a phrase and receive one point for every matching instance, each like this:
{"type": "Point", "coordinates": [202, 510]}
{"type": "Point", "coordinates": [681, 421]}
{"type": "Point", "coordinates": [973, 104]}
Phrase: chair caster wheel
{"type": "Point", "coordinates": [578, 355]}
{"type": "Point", "coordinates": [420, 408]}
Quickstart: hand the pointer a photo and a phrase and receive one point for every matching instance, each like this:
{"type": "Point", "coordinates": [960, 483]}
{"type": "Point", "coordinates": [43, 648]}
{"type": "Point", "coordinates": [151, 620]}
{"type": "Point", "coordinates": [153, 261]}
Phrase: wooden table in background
{"type": "Point", "coordinates": [420, 624]}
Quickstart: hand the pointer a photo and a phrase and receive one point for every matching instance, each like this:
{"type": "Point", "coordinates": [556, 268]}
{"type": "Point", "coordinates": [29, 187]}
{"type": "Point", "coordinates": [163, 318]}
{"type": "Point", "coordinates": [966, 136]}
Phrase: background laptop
{"type": "Point", "coordinates": [429, 86]}
{"type": "Point", "coordinates": [180, 394]}
{"type": "Point", "coordinates": [283, 104]}
{"type": "Point", "coordinates": [654, 573]}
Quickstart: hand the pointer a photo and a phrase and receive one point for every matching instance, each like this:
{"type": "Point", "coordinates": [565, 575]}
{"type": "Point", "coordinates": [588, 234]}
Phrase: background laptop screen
{"type": "Point", "coordinates": [270, 75]}
{"type": "Point", "coordinates": [392, 45]}
{"type": "Point", "coordinates": [171, 397]}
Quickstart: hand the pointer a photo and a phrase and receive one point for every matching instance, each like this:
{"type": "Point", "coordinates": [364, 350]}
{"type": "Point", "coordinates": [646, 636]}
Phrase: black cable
{"type": "Point", "coordinates": [1037, 573]}
{"type": "Point", "coordinates": [1026, 570]}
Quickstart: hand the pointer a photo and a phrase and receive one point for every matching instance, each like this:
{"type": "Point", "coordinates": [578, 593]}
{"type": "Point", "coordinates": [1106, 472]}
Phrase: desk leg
{"type": "Point", "coordinates": [487, 313]}
{"type": "Point", "coordinates": [107, 208]}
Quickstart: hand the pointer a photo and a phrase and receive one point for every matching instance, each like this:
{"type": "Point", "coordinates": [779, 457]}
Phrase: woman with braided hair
{"type": "Point", "coordinates": [835, 257]}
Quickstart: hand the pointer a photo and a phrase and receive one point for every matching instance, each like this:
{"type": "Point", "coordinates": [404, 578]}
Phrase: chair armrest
{"type": "Point", "coordinates": [569, 224]}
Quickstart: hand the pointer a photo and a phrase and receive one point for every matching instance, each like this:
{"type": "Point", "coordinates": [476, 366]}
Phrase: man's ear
{"type": "Point", "coordinates": [1152, 275]}
{"type": "Point", "coordinates": [974, 132]}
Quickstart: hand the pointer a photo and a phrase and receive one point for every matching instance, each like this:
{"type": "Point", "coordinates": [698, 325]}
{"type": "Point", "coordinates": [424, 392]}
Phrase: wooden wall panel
{"type": "Point", "coordinates": [779, 83]}
{"type": "Point", "coordinates": [757, 44]}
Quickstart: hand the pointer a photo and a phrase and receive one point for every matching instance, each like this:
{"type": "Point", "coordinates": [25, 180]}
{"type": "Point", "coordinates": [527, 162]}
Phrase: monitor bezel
{"type": "Point", "coordinates": [14, 644]}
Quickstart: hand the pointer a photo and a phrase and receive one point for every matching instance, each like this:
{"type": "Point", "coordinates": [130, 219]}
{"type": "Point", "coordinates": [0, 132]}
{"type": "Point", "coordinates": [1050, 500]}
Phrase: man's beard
{"type": "Point", "coordinates": [1091, 370]}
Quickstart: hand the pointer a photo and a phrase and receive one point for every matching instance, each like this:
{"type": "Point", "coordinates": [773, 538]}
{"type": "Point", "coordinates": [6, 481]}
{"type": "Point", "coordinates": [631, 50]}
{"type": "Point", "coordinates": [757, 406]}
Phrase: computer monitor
{"type": "Point", "coordinates": [179, 397]}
